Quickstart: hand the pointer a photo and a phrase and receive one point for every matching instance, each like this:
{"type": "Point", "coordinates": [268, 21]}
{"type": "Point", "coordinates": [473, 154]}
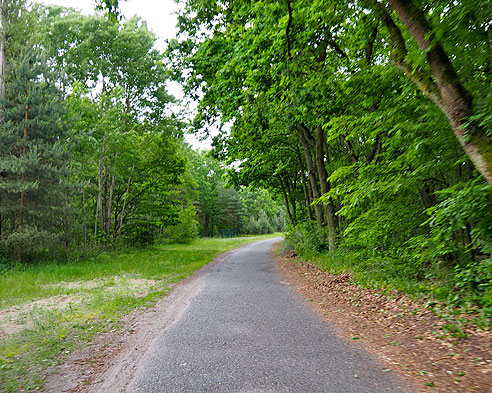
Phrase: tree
{"type": "Point", "coordinates": [33, 158]}
{"type": "Point", "coordinates": [439, 79]}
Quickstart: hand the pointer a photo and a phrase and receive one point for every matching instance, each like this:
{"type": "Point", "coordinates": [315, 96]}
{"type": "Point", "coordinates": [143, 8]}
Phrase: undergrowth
{"type": "Point", "coordinates": [449, 290]}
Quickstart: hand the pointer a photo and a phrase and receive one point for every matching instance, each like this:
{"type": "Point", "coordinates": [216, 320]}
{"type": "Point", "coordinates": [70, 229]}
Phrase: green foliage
{"type": "Point", "coordinates": [306, 239]}
{"type": "Point", "coordinates": [34, 159]}
{"type": "Point", "coordinates": [313, 93]}
{"type": "Point", "coordinates": [186, 230]}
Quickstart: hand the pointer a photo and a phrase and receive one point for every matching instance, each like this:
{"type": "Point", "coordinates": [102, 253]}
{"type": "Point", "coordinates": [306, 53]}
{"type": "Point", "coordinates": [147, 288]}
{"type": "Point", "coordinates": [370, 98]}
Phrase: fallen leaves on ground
{"type": "Point", "coordinates": [406, 336]}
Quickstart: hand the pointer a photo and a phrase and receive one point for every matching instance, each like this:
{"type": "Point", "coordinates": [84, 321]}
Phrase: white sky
{"type": "Point", "coordinates": [161, 19]}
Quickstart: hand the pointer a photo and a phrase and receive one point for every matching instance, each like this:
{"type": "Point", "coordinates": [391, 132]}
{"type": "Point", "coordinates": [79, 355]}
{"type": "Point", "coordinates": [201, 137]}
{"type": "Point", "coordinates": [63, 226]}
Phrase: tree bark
{"type": "Point", "coordinates": [99, 206]}
{"type": "Point", "coordinates": [292, 198]}
{"type": "Point", "coordinates": [286, 199]}
{"type": "Point", "coordinates": [109, 212]}
{"type": "Point", "coordinates": [84, 224]}
{"type": "Point", "coordinates": [312, 175]}
{"type": "Point", "coordinates": [206, 225]}
{"type": "Point", "coordinates": [124, 204]}
{"type": "Point", "coordinates": [23, 178]}
{"type": "Point", "coordinates": [307, 196]}
{"type": "Point", "coordinates": [3, 52]}
{"type": "Point", "coordinates": [443, 85]}
{"type": "Point", "coordinates": [331, 219]}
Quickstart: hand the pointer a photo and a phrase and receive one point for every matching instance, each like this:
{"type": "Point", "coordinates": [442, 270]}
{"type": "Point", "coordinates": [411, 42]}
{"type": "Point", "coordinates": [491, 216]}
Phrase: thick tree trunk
{"type": "Point", "coordinates": [312, 175]}
{"type": "Point", "coordinates": [448, 92]}
{"type": "Point", "coordinates": [331, 219]}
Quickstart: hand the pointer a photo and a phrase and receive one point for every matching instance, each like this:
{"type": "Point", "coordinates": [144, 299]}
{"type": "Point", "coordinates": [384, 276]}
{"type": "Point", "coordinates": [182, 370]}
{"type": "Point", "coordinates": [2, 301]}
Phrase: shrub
{"type": "Point", "coordinates": [187, 228]}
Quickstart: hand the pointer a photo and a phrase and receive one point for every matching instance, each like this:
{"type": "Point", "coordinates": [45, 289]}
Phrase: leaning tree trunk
{"type": "Point", "coordinates": [442, 85]}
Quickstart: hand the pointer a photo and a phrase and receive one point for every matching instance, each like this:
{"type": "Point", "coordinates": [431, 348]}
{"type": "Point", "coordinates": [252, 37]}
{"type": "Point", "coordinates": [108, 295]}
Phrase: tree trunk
{"type": "Point", "coordinates": [99, 207]}
{"type": "Point", "coordinates": [84, 214]}
{"type": "Point", "coordinates": [23, 178]}
{"type": "Point", "coordinates": [109, 212]}
{"type": "Point", "coordinates": [305, 188]}
{"type": "Point", "coordinates": [286, 199]}
{"type": "Point", "coordinates": [331, 219]}
{"type": "Point", "coordinates": [447, 91]}
{"type": "Point", "coordinates": [124, 204]}
{"type": "Point", "coordinates": [3, 52]}
{"type": "Point", "coordinates": [292, 198]}
{"type": "Point", "coordinates": [312, 175]}
{"type": "Point", "coordinates": [206, 225]}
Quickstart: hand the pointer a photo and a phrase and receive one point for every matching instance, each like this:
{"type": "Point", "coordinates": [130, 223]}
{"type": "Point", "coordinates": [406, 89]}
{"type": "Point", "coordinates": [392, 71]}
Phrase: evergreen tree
{"type": "Point", "coordinates": [33, 158]}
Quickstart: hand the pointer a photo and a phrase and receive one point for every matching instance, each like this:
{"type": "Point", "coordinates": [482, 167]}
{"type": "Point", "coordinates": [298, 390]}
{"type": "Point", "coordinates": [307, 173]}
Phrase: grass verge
{"type": "Point", "coordinates": [49, 309]}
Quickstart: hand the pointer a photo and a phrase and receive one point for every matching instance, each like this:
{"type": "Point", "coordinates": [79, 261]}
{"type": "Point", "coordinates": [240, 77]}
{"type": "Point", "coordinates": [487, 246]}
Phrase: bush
{"type": "Point", "coordinates": [260, 226]}
{"type": "Point", "coordinates": [306, 239]}
{"type": "Point", "coordinates": [187, 228]}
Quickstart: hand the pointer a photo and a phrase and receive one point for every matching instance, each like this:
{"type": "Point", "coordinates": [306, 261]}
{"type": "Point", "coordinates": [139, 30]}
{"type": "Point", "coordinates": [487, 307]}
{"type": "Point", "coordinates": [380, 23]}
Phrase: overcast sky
{"type": "Point", "coordinates": [159, 14]}
{"type": "Point", "coordinates": [161, 19]}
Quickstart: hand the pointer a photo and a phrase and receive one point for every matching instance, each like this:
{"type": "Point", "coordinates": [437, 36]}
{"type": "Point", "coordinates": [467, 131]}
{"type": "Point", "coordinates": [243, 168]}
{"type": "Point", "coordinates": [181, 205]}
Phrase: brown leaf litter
{"type": "Point", "coordinates": [405, 335]}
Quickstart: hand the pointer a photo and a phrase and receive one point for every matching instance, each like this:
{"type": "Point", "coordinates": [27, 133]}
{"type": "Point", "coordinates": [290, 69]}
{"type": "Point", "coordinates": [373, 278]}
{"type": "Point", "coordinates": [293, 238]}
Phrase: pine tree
{"type": "Point", "coordinates": [33, 158]}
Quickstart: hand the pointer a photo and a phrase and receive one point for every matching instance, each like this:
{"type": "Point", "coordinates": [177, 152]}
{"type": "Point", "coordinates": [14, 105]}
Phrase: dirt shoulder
{"type": "Point", "coordinates": [403, 334]}
{"type": "Point", "coordinates": [108, 363]}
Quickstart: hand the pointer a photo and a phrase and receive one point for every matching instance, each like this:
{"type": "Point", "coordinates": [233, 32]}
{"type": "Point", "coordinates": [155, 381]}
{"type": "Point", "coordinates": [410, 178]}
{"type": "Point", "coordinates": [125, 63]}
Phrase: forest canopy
{"type": "Point", "coordinates": [92, 151]}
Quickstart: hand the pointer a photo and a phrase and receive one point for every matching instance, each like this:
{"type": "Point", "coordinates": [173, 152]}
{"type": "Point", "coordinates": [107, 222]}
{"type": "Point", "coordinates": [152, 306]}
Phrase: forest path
{"type": "Point", "coordinates": [245, 330]}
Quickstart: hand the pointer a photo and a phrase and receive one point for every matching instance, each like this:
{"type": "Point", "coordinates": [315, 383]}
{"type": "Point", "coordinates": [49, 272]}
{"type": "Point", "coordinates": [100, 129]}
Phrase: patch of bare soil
{"type": "Point", "coordinates": [402, 333]}
{"type": "Point", "coordinates": [108, 364]}
{"type": "Point", "coordinates": [17, 318]}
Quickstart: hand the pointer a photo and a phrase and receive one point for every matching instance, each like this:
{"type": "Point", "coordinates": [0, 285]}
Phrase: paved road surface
{"type": "Point", "coordinates": [247, 331]}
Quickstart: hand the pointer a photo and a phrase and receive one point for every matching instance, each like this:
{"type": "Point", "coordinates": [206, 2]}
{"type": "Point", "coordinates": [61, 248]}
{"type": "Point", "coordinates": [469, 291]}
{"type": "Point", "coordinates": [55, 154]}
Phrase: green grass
{"type": "Point", "coordinates": [97, 293]}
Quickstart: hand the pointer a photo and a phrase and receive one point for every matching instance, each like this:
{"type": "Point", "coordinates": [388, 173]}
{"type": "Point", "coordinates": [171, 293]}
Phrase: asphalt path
{"type": "Point", "coordinates": [247, 331]}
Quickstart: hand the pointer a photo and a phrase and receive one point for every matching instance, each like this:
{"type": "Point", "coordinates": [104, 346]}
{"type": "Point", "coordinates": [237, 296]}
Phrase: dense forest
{"type": "Point", "coordinates": [92, 154]}
{"type": "Point", "coordinates": [370, 120]}
{"type": "Point", "coordinates": [373, 120]}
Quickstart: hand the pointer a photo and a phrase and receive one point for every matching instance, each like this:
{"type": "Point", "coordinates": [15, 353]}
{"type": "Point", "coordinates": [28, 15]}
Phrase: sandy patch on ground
{"type": "Point", "coordinates": [17, 318]}
{"type": "Point", "coordinates": [405, 335]}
